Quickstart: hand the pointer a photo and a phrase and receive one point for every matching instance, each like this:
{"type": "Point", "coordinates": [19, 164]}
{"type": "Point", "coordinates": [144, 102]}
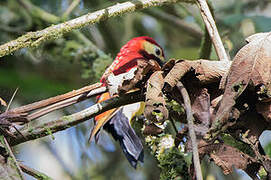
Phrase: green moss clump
{"type": "Point", "coordinates": [66, 118]}
{"type": "Point", "coordinates": [94, 65]}
{"type": "Point", "coordinates": [42, 176]}
{"type": "Point", "coordinates": [100, 64]}
{"type": "Point", "coordinates": [49, 132]}
{"type": "Point", "coordinates": [173, 162]}
{"type": "Point", "coordinates": [175, 106]}
{"type": "Point", "coordinates": [30, 130]}
{"type": "Point", "coordinates": [173, 165]}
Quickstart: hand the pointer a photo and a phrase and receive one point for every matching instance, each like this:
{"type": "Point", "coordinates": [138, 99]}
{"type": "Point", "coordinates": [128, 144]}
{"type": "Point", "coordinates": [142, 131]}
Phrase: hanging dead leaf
{"type": "Point", "coordinates": [155, 104]}
{"type": "Point", "coordinates": [226, 156]}
{"type": "Point", "coordinates": [251, 65]}
{"type": "Point", "coordinates": [126, 81]}
{"type": "Point", "coordinates": [201, 107]}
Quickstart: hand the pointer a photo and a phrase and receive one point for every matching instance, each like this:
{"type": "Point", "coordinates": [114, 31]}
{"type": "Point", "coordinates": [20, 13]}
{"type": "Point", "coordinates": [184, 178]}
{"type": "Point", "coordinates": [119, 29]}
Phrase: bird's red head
{"type": "Point", "coordinates": [142, 47]}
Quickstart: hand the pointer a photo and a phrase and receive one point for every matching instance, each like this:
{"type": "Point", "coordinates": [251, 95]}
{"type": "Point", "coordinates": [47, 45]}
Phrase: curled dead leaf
{"type": "Point", "coordinates": [201, 108]}
{"type": "Point", "coordinates": [251, 66]}
{"type": "Point", "coordinates": [118, 84]}
{"type": "Point", "coordinates": [205, 70]}
{"type": "Point", "coordinates": [226, 156]}
{"type": "Point", "coordinates": [155, 104]}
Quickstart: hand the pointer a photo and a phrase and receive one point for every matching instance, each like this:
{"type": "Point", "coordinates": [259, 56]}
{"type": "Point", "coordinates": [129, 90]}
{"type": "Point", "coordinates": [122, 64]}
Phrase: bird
{"type": "Point", "coordinates": [117, 121]}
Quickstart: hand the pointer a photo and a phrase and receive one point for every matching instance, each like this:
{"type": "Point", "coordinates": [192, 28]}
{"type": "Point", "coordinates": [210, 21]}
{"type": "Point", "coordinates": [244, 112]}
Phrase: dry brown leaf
{"type": "Point", "coordinates": [206, 71]}
{"type": "Point", "coordinates": [251, 65]}
{"type": "Point", "coordinates": [201, 108]}
{"type": "Point", "coordinates": [155, 104]}
{"type": "Point", "coordinates": [225, 156]}
{"type": "Point", "coordinates": [126, 81]}
{"type": "Point", "coordinates": [228, 157]}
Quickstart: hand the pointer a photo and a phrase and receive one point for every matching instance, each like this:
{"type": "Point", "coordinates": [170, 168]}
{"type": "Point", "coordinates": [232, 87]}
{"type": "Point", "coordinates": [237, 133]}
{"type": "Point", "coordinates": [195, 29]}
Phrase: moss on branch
{"type": "Point", "coordinates": [65, 122]}
{"type": "Point", "coordinates": [34, 39]}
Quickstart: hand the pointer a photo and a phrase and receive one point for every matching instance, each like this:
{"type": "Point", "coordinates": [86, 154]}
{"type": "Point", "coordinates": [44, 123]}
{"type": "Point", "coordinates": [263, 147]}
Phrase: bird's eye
{"type": "Point", "coordinates": [157, 51]}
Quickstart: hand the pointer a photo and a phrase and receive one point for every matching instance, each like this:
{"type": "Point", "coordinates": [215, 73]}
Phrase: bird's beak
{"type": "Point", "coordinates": [160, 61]}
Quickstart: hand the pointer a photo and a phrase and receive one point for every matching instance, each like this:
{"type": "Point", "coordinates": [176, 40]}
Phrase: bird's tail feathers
{"type": "Point", "coordinates": [120, 128]}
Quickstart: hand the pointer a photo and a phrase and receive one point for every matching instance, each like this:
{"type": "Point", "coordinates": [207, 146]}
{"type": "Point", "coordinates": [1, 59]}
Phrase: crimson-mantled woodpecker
{"type": "Point", "coordinates": [117, 121]}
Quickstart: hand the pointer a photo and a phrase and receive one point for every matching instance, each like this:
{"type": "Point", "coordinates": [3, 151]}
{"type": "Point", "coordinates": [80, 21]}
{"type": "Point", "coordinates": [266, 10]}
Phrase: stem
{"type": "Point", "coordinates": [19, 170]}
{"type": "Point", "coordinates": [36, 11]}
{"type": "Point", "coordinates": [206, 46]}
{"type": "Point", "coordinates": [212, 29]}
{"type": "Point", "coordinates": [192, 134]}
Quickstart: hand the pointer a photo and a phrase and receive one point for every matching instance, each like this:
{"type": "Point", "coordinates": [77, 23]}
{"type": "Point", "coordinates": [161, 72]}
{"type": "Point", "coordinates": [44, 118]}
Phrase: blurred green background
{"type": "Point", "coordinates": [79, 58]}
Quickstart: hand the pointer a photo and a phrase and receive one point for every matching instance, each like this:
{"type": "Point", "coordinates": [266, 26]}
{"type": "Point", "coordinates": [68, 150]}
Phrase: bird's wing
{"type": "Point", "coordinates": [102, 118]}
{"type": "Point", "coordinates": [101, 122]}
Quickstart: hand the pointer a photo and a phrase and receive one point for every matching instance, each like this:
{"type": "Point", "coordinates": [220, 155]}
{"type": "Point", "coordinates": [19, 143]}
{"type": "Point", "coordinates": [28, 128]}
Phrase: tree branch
{"type": "Point", "coordinates": [213, 32]}
{"type": "Point", "coordinates": [66, 103]}
{"type": "Point", "coordinates": [65, 122]}
{"type": "Point", "coordinates": [34, 39]}
{"type": "Point", "coordinates": [43, 15]}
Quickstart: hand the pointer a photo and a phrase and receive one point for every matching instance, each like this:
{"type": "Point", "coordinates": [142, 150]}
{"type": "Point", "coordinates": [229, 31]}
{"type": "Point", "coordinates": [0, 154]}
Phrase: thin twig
{"type": "Point", "coordinates": [33, 172]}
{"type": "Point", "coordinates": [11, 99]}
{"type": "Point", "coordinates": [19, 170]}
{"type": "Point", "coordinates": [90, 44]}
{"type": "Point", "coordinates": [34, 39]}
{"type": "Point", "coordinates": [190, 119]}
{"type": "Point", "coordinates": [212, 29]}
{"type": "Point", "coordinates": [65, 122]}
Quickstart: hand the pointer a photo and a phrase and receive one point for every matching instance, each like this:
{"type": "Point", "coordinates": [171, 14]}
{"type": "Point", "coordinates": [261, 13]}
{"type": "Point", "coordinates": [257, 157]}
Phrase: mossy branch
{"type": "Point", "coordinates": [65, 122]}
{"type": "Point", "coordinates": [34, 39]}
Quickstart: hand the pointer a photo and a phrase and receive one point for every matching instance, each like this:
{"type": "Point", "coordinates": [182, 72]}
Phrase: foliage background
{"type": "Point", "coordinates": [72, 61]}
